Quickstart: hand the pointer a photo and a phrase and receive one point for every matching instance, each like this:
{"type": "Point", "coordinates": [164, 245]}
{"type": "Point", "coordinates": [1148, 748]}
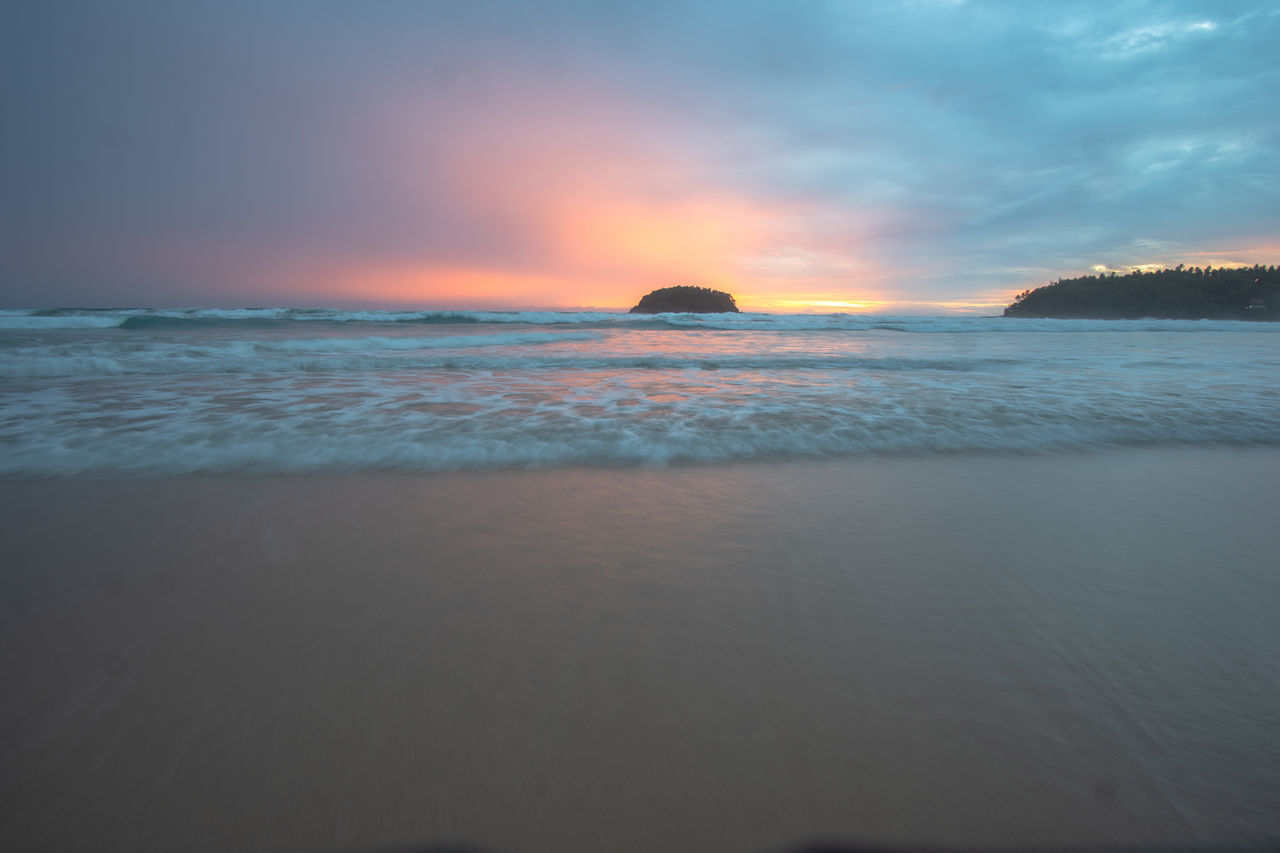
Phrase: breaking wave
{"type": "Point", "coordinates": [154, 319]}
{"type": "Point", "coordinates": [139, 392]}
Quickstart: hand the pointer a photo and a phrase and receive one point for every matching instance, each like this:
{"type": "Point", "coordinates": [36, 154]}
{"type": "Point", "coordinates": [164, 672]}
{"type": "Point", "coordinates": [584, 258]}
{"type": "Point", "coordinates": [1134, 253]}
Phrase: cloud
{"type": "Point", "coordinates": [901, 151]}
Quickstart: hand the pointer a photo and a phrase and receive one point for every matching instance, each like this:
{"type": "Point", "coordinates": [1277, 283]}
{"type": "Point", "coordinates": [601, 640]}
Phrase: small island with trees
{"type": "Point", "coordinates": [1225, 293]}
{"type": "Point", "coordinates": [686, 299]}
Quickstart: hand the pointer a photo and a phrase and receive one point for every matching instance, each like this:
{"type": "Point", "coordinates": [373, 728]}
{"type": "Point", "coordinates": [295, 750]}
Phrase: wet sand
{"type": "Point", "coordinates": [969, 650]}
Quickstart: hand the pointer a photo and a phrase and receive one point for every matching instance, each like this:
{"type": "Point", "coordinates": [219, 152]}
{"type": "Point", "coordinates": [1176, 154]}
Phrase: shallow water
{"type": "Point", "coordinates": [149, 393]}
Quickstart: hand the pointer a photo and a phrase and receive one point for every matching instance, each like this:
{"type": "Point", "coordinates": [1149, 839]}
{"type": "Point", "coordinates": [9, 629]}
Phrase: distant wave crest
{"type": "Point", "coordinates": [153, 319]}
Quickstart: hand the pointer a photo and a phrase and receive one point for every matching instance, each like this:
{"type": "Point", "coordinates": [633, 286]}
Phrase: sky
{"type": "Point", "coordinates": [804, 156]}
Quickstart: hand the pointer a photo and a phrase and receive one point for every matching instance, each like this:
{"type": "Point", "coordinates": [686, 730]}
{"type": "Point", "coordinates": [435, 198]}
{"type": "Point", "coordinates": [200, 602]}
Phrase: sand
{"type": "Point", "coordinates": [963, 650]}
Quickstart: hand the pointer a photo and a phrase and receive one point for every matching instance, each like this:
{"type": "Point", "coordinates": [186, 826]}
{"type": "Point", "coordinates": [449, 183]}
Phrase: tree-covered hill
{"type": "Point", "coordinates": [1227, 293]}
{"type": "Point", "coordinates": [685, 298]}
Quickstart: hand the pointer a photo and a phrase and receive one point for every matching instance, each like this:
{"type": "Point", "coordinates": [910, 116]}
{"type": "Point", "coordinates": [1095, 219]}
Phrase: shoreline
{"type": "Point", "coordinates": [956, 650]}
{"type": "Point", "coordinates": [624, 466]}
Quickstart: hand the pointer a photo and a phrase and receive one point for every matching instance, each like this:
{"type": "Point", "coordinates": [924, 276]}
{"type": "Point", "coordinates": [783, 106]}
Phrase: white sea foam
{"type": "Point", "coordinates": [292, 398]}
{"type": "Point", "coordinates": [11, 320]}
{"type": "Point", "coordinates": [117, 356]}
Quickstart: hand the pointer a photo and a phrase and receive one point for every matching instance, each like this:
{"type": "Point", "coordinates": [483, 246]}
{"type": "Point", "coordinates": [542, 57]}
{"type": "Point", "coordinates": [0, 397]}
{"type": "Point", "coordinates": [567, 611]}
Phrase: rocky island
{"type": "Point", "coordinates": [686, 299]}
{"type": "Point", "coordinates": [1226, 293]}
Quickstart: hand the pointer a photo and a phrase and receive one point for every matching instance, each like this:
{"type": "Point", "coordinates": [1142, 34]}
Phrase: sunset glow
{"type": "Point", "coordinates": [801, 305]}
{"type": "Point", "coordinates": [639, 425]}
{"type": "Point", "coordinates": [448, 156]}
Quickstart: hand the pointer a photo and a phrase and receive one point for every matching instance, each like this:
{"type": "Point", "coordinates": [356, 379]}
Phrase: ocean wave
{"type": "Point", "coordinates": [161, 321]}
{"type": "Point", "coordinates": [40, 322]}
{"type": "Point", "coordinates": [262, 355]}
{"type": "Point", "coordinates": [535, 440]}
{"type": "Point", "coordinates": [631, 390]}
{"type": "Point", "coordinates": [153, 319]}
{"type": "Point", "coordinates": [402, 355]}
{"type": "Point", "coordinates": [408, 420]}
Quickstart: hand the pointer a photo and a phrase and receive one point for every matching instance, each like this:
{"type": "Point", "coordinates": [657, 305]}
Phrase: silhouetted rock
{"type": "Point", "coordinates": [686, 299]}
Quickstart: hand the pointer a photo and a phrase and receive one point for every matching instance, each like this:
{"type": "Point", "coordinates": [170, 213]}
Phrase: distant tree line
{"type": "Point", "coordinates": [1182, 293]}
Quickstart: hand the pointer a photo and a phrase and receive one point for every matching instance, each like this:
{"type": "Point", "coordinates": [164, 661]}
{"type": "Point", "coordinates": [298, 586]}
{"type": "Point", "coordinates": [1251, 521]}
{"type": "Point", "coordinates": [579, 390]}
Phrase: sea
{"type": "Point", "coordinates": [150, 392]}
{"type": "Point", "coordinates": [318, 579]}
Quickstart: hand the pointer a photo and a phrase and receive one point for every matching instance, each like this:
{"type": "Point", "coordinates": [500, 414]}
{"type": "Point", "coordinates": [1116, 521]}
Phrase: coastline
{"type": "Point", "coordinates": [1067, 649]}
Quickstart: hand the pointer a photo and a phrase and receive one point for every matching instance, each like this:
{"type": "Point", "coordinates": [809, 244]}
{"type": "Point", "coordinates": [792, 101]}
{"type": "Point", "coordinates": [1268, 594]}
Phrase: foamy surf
{"type": "Point", "coordinates": [309, 391]}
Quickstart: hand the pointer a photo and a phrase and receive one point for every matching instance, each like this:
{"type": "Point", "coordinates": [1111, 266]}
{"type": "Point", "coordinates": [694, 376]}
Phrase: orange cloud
{"type": "Point", "coordinates": [576, 201]}
{"type": "Point", "coordinates": [607, 253]}
{"type": "Point", "coordinates": [434, 286]}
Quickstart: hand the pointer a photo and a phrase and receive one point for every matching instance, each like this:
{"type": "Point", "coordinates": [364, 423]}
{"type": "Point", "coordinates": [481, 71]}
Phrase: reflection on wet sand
{"type": "Point", "coordinates": [965, 650]}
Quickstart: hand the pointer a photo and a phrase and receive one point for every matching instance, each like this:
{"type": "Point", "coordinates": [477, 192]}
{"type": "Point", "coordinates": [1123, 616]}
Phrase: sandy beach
{"type": "Point", "coordinates": [929, 500]}
{"type": "Point", "coordinates": [958, 650]}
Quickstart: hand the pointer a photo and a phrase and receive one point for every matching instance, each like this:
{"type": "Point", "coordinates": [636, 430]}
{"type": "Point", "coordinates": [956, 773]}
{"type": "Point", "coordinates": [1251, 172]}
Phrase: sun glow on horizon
{"type": "Point", "coordinates": [801, 305]}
